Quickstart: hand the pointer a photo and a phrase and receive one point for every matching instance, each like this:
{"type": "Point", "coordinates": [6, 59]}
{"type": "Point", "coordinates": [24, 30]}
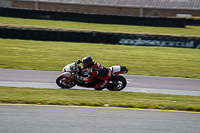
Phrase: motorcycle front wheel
{"type": "Point", "coordinates": [118, 83]}
{"type": "Point", "coordinates": [61, 82]}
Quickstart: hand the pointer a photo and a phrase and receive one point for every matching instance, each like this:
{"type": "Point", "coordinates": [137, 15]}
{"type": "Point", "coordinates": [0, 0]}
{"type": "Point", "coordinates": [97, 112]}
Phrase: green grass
{"type": "Point", "coordinates": [19, 22]}
{"type": "Point", "coordinates": [98, 98]}
{"type": "Point", "coordinates": [140, 60]}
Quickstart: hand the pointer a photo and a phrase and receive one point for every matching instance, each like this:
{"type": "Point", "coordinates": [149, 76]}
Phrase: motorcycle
{"type": "Point", "coordinates": [70, 72]}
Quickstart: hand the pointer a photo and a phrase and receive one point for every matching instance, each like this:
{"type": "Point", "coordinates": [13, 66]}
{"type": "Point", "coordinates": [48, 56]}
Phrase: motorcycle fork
{"type": "Point", "coordinates": [68, 79]}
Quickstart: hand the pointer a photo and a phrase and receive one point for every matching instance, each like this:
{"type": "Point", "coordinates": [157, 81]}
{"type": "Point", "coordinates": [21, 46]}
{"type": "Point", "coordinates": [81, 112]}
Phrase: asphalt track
{"type": "Point", "coordinates": [60, 119]}
{"type": "Point", "coordinates": [136, 83]}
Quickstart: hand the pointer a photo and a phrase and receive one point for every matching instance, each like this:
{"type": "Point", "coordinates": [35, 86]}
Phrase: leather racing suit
{"type": "Point", "coordinates": [100, 72]}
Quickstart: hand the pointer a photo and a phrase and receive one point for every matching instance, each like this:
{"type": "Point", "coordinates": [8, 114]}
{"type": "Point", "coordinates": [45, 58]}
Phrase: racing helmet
{"type": "Point", "coordinates": [87, 62]}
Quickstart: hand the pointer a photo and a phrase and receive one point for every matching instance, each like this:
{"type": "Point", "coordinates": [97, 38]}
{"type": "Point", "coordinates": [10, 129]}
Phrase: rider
{"type": "Point", "coordinates": [96, 70]}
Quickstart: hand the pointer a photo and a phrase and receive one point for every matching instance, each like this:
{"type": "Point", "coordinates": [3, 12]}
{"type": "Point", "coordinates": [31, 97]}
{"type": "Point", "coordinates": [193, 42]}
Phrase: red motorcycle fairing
{"type": "Point", "coordinates": [69, 75]}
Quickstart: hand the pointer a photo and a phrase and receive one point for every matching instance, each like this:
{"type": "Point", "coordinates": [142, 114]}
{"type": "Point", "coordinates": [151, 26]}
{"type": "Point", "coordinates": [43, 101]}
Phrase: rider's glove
{"type": "Point", "coordinates": [78, 61]}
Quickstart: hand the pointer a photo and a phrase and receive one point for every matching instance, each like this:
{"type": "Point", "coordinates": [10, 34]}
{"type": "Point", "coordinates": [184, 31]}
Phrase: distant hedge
{"type": "Point", "coordinates": [99, 37]}
{"type": "Point", "coordinates": [92, 18]}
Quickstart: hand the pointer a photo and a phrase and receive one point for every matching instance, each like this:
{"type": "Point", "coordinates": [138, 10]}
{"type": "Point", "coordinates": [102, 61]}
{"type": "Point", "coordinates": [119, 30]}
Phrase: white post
{"type": "Point", "coordinates": [141, 11]}
{"type": "Point", "coordinates": [36, 5]}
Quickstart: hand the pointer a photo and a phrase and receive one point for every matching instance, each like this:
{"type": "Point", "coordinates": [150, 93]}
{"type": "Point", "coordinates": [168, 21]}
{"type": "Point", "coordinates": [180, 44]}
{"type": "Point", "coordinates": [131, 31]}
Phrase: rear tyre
{"type": "Point", "coordinates": [61, 82]}
{"type": "Point", "coordinates": [118, 83]}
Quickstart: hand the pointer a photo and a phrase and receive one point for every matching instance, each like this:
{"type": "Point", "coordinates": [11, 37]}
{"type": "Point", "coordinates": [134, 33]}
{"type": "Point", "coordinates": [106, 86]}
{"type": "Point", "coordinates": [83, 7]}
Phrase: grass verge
{"type": "Point", "coordinates": [140, 60]}
{"type": "Point", "coordinates": [98, 98]}
{"type": "Point", "coordinates": [69, 25]}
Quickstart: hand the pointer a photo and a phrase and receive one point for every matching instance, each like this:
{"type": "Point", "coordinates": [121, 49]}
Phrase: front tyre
{"type": "Point", "coordinates": [61, 82]}
{"type": "Point", "coordinates": [118, 83]}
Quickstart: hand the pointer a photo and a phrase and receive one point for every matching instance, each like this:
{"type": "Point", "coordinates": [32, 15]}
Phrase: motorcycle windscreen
{"type": "Point", "coordinates": [69, 67]}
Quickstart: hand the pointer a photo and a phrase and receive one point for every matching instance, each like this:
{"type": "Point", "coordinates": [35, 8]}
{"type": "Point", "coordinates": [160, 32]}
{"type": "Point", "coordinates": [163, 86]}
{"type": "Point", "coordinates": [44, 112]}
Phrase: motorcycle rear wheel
{"type": "Point", "coordinates": [118, 83]}
{"type": "Point", "coordinates": [61, 82]}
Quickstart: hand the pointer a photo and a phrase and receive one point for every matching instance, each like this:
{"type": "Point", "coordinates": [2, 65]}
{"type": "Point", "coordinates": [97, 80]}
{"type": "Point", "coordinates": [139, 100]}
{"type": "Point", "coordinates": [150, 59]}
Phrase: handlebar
{"type": "Point", "coordinates": [77, 66]}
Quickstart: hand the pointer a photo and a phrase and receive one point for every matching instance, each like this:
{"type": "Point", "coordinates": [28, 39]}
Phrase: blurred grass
{"type": "Point", "coordinates": [19, 22]}
{"type": "Point", "coordinates": [140, 60]}
{"type": "Point", "coordinates": [98, 98]}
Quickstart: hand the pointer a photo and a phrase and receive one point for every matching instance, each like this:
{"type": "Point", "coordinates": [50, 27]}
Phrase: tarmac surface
{"type": "Point", "coordinates": [60, 119]}
{"type": "Point", "coordinates": [136, 83]}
